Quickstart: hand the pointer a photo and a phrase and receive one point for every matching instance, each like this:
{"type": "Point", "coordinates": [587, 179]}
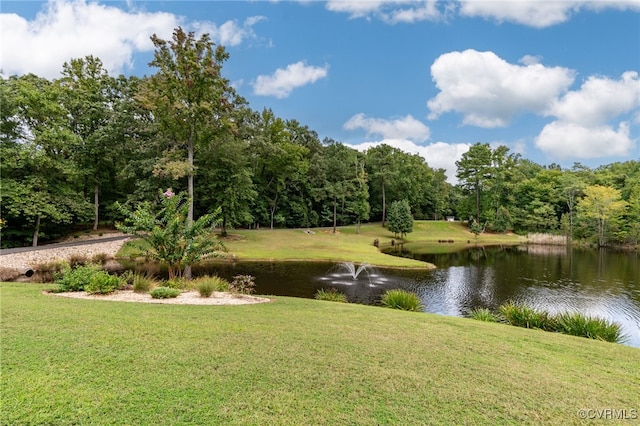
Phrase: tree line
{"type": "Point", "coordinates": [75, 147]}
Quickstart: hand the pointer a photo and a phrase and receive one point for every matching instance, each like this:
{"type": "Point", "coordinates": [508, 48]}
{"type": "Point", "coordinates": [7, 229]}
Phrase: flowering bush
{"type": "Point", "coordinates": [172, 237]}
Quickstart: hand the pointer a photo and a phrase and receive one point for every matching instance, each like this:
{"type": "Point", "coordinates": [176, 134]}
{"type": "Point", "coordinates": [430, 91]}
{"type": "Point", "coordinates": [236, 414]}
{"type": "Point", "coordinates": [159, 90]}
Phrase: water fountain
{"type": "Point", "coordinates": [347, 273]}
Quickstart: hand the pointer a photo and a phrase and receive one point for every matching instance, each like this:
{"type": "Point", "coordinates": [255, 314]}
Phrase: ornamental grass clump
{"type": "Point", "coordinates": [206, 285]}
{"type": "Point", "coordinates": [402, 299]}
{"type": "Point", "coordinates": [577, 324]}
{"type": "Point", "coordinates": [527, 317]}
{"type": "Point", "coordinates": [164, 293]}
{"type": "Point", "coordinates": [143, 283]}
{"type": "Point", "coordinates": [331, 295]}
{"type": "Point", "coordinates": [483, 314]}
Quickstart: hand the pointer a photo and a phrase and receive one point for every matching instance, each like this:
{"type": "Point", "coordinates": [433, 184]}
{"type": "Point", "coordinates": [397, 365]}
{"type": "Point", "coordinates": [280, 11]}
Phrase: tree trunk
{"type": "Point", "coordinates": [96, 205]}
{"type": "Point", "coordinates": [601, 239]}
{"type": "Point", "coordinates": [190, 182]}
{"type": "Point", "coordinates": [36, 232]}
{"type": "Point", "coordinates": [478, 203]}
{"type": "Point", "coordinates": [187, 269]}
{"type": "Point", "coordinates": [384, 204]}
{"type": "Point", "coordinates": [273, 209]}
{"type": "Point", "coordinates": [358, 227]}
{"type": "Point", "coordinates": [335, 204]}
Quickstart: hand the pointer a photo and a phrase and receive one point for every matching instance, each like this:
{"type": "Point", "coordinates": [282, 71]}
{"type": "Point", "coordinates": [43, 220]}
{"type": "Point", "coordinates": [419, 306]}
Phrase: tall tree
{"type": "Point", "coordinates": [187, 96]}
{"type": "Point", "coordinates": [38, 176]}
{"type": "Point", "coordinates": [381, 168]}
{"type": "Point", "coordinates": [474, 172]}
{"type": "Point", "coordinates": [572, 188]}
{"type": "Point", "coordinates": [602, 204]}
{"type": "Point", "coordinates": [87, 97]}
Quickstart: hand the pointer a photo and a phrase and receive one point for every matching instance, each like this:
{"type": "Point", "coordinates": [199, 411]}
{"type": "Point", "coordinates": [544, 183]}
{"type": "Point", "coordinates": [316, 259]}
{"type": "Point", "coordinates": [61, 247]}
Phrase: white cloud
{"type": "Point", "coordinates": [536, 13]}
{"type": "Point", "coordinates": [488, 91]}
{"type": "Point", "coordinates": [283, 81]}
{"type": "Point", "coordinates": [599, 100]}
{"type": "Point", "coordinates": [532, 13]}
{"type": "Point", "coordinates": [73, 29]}
{"type": "Point", "coordinates": [405, 128]}
{"type": "Point", "coordinates": [570, 140]}
{"type": "Point", "coordinates": [230, 33]}
{"type": "Point", "coordinates": [392, 12]}
{"type": "Point", "coordinates": [438, 155]}
{"type": "Point", "coordinates": [582, 127]}
{"type": "Point", "coordinates": [67, 29]}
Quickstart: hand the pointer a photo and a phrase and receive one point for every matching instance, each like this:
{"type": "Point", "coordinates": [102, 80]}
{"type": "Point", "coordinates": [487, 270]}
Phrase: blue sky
{"type": "Point", "coordinates": [556, 81]}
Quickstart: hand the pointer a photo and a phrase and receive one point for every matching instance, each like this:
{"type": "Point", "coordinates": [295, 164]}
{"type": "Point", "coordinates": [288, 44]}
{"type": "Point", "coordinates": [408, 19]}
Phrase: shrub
{"type": "Point", "coordinates": [164, 293]}
{"type": "Point", "coordinates": [143, 283]}
{"type": "Point", "coordinates": [331, 295]}
{"type": "Point", "coordinates": [74, 279]}
{"type": "Point", "coordinates": [483, 314]}
{"type": "Point", "coordinates": [177, 283]}
{"type": "Point", "coordinates": [402, 299]}
{"type": "Point", "coordinates": [172, 237]}
{"type": "Point", "coordinates": [527, 317]}
{"type": "Point", "coordinates": [243, 284]}
{"type": "Point", "coordinates": [89, 278]}
{"type": "Point", "coordinates": [78, 260]}
{"type": "Point", "coordinates": [101, 282]}
{"type": "Point", "coordinates": [577, 324]}
{"type": "Point", "coordinates": [100, 258]}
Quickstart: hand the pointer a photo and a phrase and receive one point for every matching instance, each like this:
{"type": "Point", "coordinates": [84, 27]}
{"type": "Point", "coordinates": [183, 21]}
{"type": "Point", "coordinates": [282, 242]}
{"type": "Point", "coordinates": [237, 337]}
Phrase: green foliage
{"type": "Point", "coordinates": [331, 295]}
{"type": "Point", "coordinates": [89, 278]}
{"type": "Point", "coordinates": [244, 284]}
{"type": "Point", "coordinates": [577, 324]}
{"type": "Point", "coordinates": [74, 279]}
{"type": "Point", "coordinates": [502, 221]}
{"type": "Point", "coordinates": [172, 238]}
{"type": "Point", "coordinates": [402, 299]}
{"type": "Point", "coordinates": [476, 228]}
{"type": "Point", "coordinates": [400, 220]}
{"type": "Point", "coordinates": [164, 293]}
{"type": "Point", "coordinates": [527, 317]}
{"type": "Point", "coordinates": [177, 283]}
{"type": "Point", "coordinates": [604, 205]}
{"type": "Point", "coordinates": [103, 283]}
{"type": "Point", "coordinates": [483, 314]}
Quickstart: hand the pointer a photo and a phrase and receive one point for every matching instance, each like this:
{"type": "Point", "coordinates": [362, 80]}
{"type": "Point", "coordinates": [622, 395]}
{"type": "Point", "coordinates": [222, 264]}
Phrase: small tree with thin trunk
{"type": "Point", "coordinates": [172, 238]}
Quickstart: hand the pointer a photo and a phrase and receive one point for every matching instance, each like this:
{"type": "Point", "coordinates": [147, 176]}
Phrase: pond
{"type": "Point", "coordinates": [601, 283]}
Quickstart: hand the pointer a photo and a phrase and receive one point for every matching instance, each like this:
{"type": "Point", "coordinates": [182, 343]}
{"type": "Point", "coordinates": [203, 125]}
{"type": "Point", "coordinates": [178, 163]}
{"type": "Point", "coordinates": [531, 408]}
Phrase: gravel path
{"type": "Point", "coordinates": [14, 262]}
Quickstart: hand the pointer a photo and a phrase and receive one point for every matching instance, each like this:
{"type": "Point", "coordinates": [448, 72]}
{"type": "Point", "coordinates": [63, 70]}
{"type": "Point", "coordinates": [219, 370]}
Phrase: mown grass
{"type": "Point", "coordinates": [292, 362]}
{"type": "Point", "coordinates": [322, 244]}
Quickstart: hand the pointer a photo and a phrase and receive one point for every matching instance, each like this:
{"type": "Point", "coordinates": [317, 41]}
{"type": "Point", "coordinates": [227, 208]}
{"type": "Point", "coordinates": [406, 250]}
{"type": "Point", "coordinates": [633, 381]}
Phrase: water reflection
{"type": "Point", "coordinates": [594, 282]}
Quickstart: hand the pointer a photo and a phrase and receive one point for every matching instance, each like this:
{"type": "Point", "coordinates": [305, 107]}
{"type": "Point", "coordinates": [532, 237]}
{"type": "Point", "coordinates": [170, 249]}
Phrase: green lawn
{"type": "Point", "coordinates": [347, 245]}
{"type": "Point", "coordinates": [293, 362]}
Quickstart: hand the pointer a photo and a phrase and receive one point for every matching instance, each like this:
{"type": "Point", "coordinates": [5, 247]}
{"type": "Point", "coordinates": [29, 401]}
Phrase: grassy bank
{"type": "Point", "coordinates": [291, 362]}
{"type": "Point", "coordinates": [346, 244]}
